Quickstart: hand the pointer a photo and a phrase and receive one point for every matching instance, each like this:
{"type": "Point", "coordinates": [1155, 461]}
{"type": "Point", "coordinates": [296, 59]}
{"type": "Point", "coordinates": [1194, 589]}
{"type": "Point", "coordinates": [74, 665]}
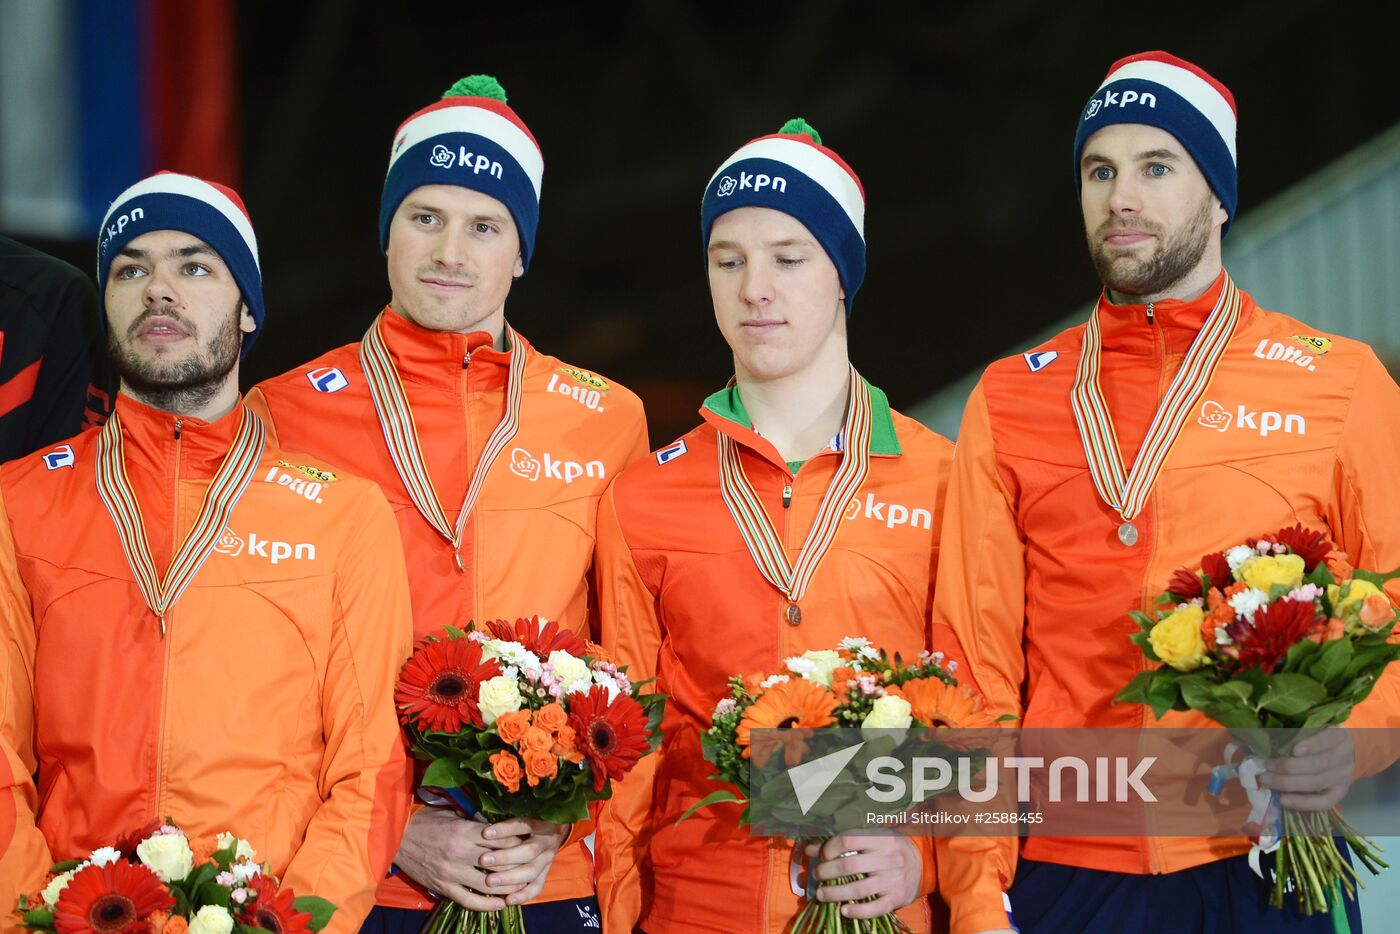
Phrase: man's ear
{"type": "Point", "coordinates": [246, 324]}
{"type": "Point", "coordinates": [519, 267]}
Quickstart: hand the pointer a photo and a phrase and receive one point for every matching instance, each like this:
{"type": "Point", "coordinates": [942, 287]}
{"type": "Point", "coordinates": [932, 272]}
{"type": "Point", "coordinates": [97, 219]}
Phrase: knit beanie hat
{"type": "Point", "coordinates": [472, 139]}
{"type": "Point", "coordinates": [791, 171]}
{"type": "Point", "coordinates": [207, 210]}
{"type": "Point", "coordinates": [1170, 93]}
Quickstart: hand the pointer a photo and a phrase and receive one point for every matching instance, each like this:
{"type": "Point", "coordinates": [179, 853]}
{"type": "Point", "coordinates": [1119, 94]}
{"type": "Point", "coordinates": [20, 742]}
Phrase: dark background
{"type": "Point", "coordinates": [959, 120]}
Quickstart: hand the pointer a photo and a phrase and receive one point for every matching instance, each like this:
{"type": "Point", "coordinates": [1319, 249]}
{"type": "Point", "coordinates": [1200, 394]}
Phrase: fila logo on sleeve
{"type": "Point", "coordinates": [670, 452]}
{"type": "Point", "coordinates": [1038, 360]}
{"type": "Point", "coordinates": [327, 379]}
{"type": "Point", "coordinates": [59, 457]}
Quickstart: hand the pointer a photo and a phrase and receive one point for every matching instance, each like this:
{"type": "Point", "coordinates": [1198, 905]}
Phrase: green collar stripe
{"type": "Point", "coordinates": [883, 440]}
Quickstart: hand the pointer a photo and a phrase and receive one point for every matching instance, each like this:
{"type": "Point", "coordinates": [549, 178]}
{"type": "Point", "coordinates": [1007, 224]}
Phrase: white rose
{"type": "Point", "coordinates": [167, 855]}
{"type": "Point", "coordinates": [59, 883]}
{"type": "Point", "coordinates": [244, 848]}
{"type": "Point", "coordinates": [211, 919]}
{"type": "Point", "coordinates": [104, 855]}
{"type": "Point", "coordinates": [889, 713]}
{"type": "Point", "coordinates": [571, 673]}
{"type": "Point", "coordinates": [816, 665]}
{"type": "Point", "coordinates": [244, 872]}
{"type": "Point", "coordinates": [498, 695]}
{"type": "Point", "coordinates": [607, 682]}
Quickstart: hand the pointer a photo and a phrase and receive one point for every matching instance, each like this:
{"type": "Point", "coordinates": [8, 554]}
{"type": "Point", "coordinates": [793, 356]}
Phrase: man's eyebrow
{"type": "Point", "coordinates": [131, 252]}
{"type": "Point", "coordinates": [1158, 154]}
{"type": "Point", "coordinates": [723, 245]}
{"type": "Point", "coordinates": [790, 241]}
{"type": "Point", "coordinates": [195, 249]}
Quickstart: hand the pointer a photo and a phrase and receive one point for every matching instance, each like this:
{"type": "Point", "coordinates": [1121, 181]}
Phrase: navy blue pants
{"type": "Point", "coordinates": [562, 917]}
{"type": "Point", "coordinates": [1216, 898]}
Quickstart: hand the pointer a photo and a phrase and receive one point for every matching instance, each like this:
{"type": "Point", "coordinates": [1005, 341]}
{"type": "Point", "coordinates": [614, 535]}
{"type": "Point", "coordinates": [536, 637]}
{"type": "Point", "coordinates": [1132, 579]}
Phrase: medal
{"type": "Point", "coordinates": [225, 489]}
{"type": "Point", "coordinates": [761, 539]}
{"type": "Point", "coordinates": [401, 434]}
{"type": "Point", "coordinates": [1126, 492]}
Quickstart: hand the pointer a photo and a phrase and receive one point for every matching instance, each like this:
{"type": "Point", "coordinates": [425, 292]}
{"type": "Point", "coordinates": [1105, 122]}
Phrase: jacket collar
{"type": "Point", "coordinates": [149, 438]}
{"type": "Point", "coordinates": [725, 412]}
{"type": "Point", "coordinates": [1174, 324]}
{"type": "Point", "coordinates": [437, 358]}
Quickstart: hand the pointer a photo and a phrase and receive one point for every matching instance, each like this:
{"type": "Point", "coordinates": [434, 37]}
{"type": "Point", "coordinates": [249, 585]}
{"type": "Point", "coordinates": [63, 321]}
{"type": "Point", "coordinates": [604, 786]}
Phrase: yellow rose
{"type": "Point", "coordinates": [1350, 594]}
{"type": "Point", "coordinates": [889, 713]}
{"type": "Point", "coordinates": [1177, 639]}
{"type": "Point", "coordinates": [1267, 570]}
{"type": "Point", "coordinates": [211, 919]}
{"type": "Point", "coordinates": [167, 855]}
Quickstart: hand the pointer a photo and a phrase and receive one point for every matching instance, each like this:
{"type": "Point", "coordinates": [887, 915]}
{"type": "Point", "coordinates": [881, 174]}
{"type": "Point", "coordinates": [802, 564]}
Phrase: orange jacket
{"type": "Point", "coordinates": [266, 709]}
{"type": "Point", "coordinates": [1036, 586]}
{"type": "Point", "coordinates": [681, 598]}
{"type": "Point", "coordinates": [528, 547]}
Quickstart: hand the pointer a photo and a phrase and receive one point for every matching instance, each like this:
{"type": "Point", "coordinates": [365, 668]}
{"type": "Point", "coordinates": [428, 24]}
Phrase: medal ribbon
{"type": "Point", "coordinates": [223, 494]}
{"type": "Point", "coordinates": [401, 433]}
{"type": "Point", "coordinates": [1127, 495]}
{"type": "Point", "coordinates": [756, 527]}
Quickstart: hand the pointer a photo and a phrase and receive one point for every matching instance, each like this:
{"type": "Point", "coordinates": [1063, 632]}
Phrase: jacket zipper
{"type": "Point", "coordinates": [467, 419]}
{"type": "Point", "coordinates": [1155, 859]}
{"type": "Point", "coordinates": [166, 637]}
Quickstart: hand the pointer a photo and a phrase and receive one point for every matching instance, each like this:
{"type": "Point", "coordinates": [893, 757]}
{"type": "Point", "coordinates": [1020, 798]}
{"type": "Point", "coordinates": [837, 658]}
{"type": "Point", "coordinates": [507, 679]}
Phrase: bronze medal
{"type": "Point", "coordinates": [793, 615]}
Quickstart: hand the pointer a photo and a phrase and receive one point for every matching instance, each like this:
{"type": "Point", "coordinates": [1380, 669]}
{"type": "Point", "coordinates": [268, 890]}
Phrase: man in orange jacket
{"type": "Point", "coordinates": [1269, 425]}
{"type": "Point", "coordinates": [493, 455]}
{"type": "Point", "coordinates": [682, 593]}
{"type": "Point", "coordinates": [196, 622]}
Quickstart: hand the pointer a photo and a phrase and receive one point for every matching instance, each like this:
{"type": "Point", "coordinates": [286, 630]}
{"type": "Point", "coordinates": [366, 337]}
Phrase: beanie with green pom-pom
{"type": "Point", "coordinates": [470, 138]}
{"type": "Point", "coordinates": [791, 171]}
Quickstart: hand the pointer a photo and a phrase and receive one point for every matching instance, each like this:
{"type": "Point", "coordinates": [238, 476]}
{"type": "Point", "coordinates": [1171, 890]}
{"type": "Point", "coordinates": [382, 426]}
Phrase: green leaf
{"type": "Point", "coordinates": [1233, 690]}
{"type": "Point", "coordinates": [67, 864]}
{"type": "Point", "coordinates": [212, 893]}
{"type": "Point", "coordinates": [1196, 690]}
{"type": "Point", "coordinates": [319, 909]}
{"type": "Point", "coordinates": [1321, 576]}
{"type": "Point", "coordinates": [1144, 621]}
{"type": "Point", "coordinates": [39, 917]}
{"type": "Point", "coordinates": [1329, 713]}
{"type": "Point", "coordinates": [1291, 694]}
{"type": "Point", "coordinates": [1299, 654]}
{"type": "Point", "coordinates": [1162, 693]}
{"type": "Point", "coordinates": [454, 632]}
{"type": "Point", "coordinates": [444, 773]}
{"type": "Point", "coordinates": [1378, 579]}
{"type": "Point", "coordinates": [1330, 664]}
{"type": "Point", "coordinates": [723, 796]}
{"type": "Point", "coordinates": [1143, 640]}
{"type": "Point", "coordinates": [1136, 691]}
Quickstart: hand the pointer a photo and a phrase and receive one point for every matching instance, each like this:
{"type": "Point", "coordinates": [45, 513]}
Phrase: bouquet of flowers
{"type": "Point", "coordinates": [855, 686]}
{"type": "Point", "coordinates": [1263, 636]}
{"type": "Point", "coordinates": [524, 720]}
{"type": "Point", "coordinates": [156, 881]}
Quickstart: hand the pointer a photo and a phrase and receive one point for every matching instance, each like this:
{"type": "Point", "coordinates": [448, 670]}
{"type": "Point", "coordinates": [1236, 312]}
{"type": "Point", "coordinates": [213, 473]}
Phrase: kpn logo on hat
{"type": "Point", "coordinates": [791, 171]}
{"type": "Point", "coordinates": [473, 139]}
{"type": "Point", "coordinates": [1158, 89]}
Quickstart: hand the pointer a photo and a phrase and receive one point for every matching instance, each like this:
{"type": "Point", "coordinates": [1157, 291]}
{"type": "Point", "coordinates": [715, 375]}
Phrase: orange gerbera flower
{"type": "Point", "coordinates": [110, 899]}
{"type": "Point", "coordinates": [940, 705]}
{"type": "Point", "coordinates": [797, 704]}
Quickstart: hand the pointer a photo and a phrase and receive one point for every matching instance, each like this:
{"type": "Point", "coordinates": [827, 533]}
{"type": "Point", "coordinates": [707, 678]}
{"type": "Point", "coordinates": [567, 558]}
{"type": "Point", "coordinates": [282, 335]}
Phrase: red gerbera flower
{"type": "Point", "coordinates": [541, 640]}
{"type": "Point", "coordinates": [612, 736]}
{"type": "Point", "coordinates": [1185, 585]}
{"type": "Point", "coordinates": [1276, 629]}
{"type": "Point", "coordinates": [108, 899]}
{"type": "Point", "coordinates": [271, 908]}
{"type": "Point", "coordinates": [1217, 569]}
{"type": "Point", "coordinates": [438, 686]}
{"type": "Point", "coordinates": [1313, 547]}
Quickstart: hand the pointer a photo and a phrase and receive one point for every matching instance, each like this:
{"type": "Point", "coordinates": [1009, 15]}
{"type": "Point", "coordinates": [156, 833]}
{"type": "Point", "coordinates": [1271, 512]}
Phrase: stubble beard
{"type": "Point", "coordinates": [184, 385]}
{"type": "Point", "coordinates": [1173, 260]}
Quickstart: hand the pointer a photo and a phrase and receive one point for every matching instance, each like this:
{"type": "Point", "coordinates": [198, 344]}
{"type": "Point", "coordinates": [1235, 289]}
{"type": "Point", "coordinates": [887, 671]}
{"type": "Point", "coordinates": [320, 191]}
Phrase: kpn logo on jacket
{"type": "Point", "coordinates": [233, 545]}
{"type": "Point", "coordinates": [547, 466]}
{"type": "Point", "coordinates": [1215, 416]}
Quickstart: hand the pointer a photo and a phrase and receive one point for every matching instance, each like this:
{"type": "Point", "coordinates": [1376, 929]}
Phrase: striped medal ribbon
{"type": "Point", "coordinates": [756, 526]}
{"type": "Point", "coordinates": [1127, 494]}
{"type": "Point", "coordinates": [401, 433]}
{"type": "Point", "coordinates": [223, 494]}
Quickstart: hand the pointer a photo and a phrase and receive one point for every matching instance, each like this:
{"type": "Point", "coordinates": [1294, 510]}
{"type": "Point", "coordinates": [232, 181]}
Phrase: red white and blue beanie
{"type": "Point", "coordinates": [1161, 90]}
{"type": "Point", "coordinates": [207, 210]}
{"type": "Point", "coordinates": [791, 171]}
{"type": "Point", "coordinates": [472, 139]}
